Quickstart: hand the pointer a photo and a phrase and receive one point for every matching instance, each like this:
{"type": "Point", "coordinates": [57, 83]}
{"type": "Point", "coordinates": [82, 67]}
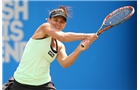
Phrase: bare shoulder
{"type": "Point", "coordinates": [40, 33]}
{"type": "Point", "coordinates": [44, 26]}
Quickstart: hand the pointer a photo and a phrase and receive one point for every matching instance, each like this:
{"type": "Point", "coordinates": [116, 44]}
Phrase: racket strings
{"type": "Point", "coordinates": [117, 17]}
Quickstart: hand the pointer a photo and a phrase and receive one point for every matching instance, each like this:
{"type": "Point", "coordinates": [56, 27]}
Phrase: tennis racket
{"type": "Point", "coordinates": [115, 18]}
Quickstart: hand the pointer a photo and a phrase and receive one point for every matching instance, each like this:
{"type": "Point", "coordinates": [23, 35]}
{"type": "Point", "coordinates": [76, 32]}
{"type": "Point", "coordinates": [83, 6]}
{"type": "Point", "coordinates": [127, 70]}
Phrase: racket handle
{"type": "Point", "coordinates": [82, 45]}
{"type": "Point", "coordinates": [98, 34]}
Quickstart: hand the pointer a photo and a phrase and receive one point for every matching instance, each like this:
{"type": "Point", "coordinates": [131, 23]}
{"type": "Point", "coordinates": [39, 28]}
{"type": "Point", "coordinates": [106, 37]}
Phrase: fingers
{"type": "Point", "coordinates": [92, 37]}
{"type": "Point", "coordinates": [86, 43]}
{"type": "Point", "coordinates": [89, 40]}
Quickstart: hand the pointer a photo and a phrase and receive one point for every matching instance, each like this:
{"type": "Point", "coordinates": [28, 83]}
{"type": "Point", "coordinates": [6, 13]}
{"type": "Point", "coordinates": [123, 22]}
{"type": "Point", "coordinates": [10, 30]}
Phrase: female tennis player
{"type": "Point", "coordinates": [33, 72]}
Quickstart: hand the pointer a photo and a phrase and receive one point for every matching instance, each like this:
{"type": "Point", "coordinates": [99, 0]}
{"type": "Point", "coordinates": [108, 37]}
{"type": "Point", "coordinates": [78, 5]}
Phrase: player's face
{"type": "Point", "coordinates": [58, 22]}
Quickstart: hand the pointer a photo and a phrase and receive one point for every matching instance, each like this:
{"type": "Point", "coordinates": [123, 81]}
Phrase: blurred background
{"type": "Point", "coordinates": [109, 64]}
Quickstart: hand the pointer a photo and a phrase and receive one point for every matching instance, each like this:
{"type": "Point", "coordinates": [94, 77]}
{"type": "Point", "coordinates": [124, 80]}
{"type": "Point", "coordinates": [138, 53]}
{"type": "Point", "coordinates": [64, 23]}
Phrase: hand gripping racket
{"type": "Point", "coordinates": [115, 18]}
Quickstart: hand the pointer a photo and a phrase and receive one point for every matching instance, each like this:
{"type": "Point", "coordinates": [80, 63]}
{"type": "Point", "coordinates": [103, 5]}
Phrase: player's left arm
{"type": "Point", "coordinates": [66, 60]}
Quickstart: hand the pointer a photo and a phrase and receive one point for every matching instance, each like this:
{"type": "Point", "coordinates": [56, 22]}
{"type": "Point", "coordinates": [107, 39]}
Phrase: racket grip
{"type": "Point", "coordinates": [98, 34]}
{"type": "Point", "coordinates": [82, 45]}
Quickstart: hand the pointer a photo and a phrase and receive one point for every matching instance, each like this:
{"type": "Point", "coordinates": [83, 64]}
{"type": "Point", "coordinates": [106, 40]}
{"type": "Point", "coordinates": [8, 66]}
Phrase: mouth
{"type": "Point", "coordinates": [57, 27]}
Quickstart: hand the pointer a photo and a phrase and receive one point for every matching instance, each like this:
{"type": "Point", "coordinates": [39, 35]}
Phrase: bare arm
{"type": "Point", "coordinates": [63, 36]}
{"type": "Point", "coordinates": [64, 60]}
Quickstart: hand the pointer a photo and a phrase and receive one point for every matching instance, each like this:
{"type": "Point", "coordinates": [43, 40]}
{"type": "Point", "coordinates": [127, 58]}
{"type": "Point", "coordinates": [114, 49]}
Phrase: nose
{"type": "Point", "coordinates": [58, 23]}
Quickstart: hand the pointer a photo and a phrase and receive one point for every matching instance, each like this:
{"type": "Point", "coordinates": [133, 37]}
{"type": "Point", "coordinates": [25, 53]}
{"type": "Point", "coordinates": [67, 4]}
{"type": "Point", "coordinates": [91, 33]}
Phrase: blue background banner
{"type": "Point", "coordinates": [110, 62]}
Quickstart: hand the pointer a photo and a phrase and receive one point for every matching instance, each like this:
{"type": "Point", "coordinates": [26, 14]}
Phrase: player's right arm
{"type": "Point", "coordinates": [63, 36]}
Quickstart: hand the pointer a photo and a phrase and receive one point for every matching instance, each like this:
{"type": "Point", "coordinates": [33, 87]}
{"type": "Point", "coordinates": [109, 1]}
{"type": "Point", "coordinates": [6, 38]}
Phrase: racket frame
{"type": "Point", "coordinates": [101, 30]}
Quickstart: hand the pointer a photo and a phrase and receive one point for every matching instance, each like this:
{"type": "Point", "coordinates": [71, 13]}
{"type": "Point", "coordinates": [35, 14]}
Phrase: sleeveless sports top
{"type": "Point", "coordinates": [34, 68]}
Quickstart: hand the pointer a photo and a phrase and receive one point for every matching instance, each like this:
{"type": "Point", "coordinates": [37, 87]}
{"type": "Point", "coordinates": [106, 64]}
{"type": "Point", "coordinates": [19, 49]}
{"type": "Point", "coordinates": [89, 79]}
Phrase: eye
{"type": "Point", "coordinates": [55, 19]}
{"type": "Point", "coordinates": [62, 21]}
